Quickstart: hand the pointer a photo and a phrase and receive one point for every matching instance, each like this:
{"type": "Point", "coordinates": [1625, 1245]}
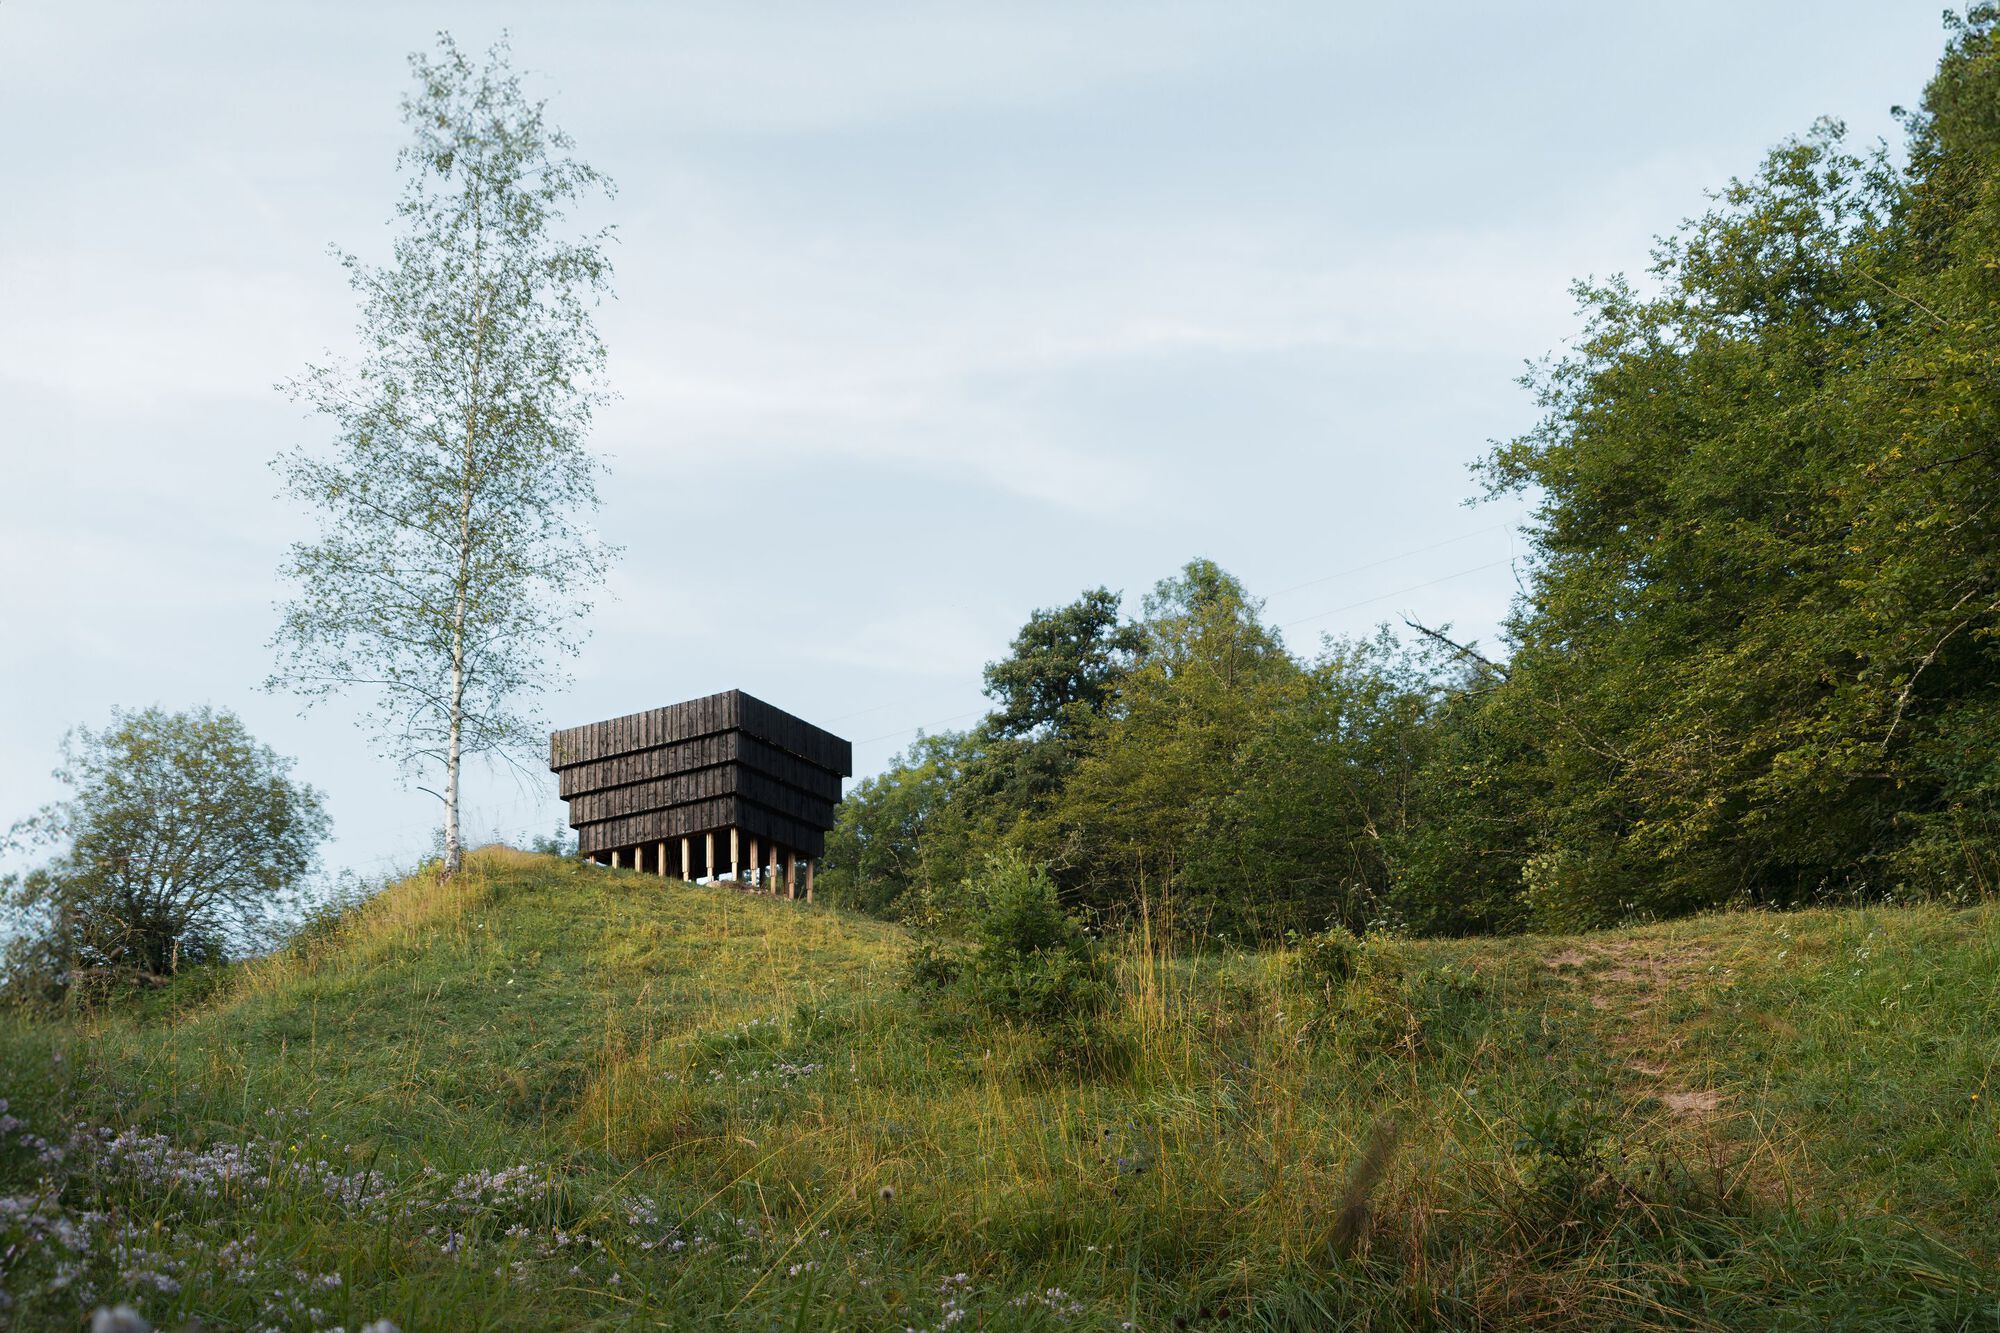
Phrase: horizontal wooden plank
{"type": "Point", "coordinates": [700, 785]}
{"type": "Point", "coordinates": [732, 710]}
{"type": "Point", "coordinates": [702, 752]}
{"type": "Point", "coordinates": [638, 731]}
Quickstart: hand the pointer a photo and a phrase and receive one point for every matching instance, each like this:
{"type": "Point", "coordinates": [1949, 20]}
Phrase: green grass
{"type": "Point", "coordinates": [728, 1112]}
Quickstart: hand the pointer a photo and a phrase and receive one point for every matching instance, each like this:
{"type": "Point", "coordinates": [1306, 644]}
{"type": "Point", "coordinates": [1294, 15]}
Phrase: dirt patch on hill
{"type": "Point", "coordinates": [1630, 983]}
{"type": "Point", "coordinates": [1699, 1104]}
{"type": "Point", "coordinates": [1625, 971]}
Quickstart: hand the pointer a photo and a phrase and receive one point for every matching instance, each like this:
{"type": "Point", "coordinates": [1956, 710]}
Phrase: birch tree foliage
{"type": "Point", "coordinates": [454, 558]}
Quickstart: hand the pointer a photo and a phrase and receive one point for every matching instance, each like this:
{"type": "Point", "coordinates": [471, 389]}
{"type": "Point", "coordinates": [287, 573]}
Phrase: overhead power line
{"type": "Point", "coordinates": [1414, 587]}
{"type": "Point", "coordinates": [926, 726]}
{"type": "Point", "coordinates": [1320, 615]}
{"type": "Point", "coordinates": [864, 712]}
{"type": "Point", "coordinates": [1296, 587]}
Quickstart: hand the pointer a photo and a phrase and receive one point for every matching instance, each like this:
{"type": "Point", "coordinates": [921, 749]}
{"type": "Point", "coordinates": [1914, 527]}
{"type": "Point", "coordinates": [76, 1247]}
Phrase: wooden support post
{"type": "Point", "coordinates": [756, 870]}
{"type": "Point", "coordinates": [708, 862]}
{"type": "Point", "coordinates": [771, 878]}
{"type": "Point", "coordinates": [735, 857]}
{"type": "Point", "coordinates": [791, 876]}
{"type": "Point", "coordinates": [684, 856]}
{"type": "Point", "coordinates": [809, 879]}
{"type": "Point", "coordinates": [617, 859]}
{"type": "Point", "coordinates": [662, 867]}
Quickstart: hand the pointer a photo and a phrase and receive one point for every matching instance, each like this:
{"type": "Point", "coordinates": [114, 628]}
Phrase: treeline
{"type": "Point", "coordinates": [1757, 659]}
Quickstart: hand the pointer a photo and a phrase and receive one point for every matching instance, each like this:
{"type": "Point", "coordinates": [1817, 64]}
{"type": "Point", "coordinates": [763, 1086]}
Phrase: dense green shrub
{"type": "Point", "coordinates": [1032, 961]}
{"type": "Point", "coordinates": [1327, 962]}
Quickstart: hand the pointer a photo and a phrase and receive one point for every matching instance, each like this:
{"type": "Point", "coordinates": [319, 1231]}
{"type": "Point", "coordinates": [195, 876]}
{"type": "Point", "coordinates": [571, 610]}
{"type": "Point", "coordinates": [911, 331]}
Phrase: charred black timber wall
{"type": "Point", "coordinates": [701, 785]}
{"type": "Point", "coordinates": [708, 765]}
{"type": "Point", "coordinates": [701, 752]}
{"type": "Point", "coordinates": [704, 817]}
{"type": "Point", "coordinates": [732, 710]}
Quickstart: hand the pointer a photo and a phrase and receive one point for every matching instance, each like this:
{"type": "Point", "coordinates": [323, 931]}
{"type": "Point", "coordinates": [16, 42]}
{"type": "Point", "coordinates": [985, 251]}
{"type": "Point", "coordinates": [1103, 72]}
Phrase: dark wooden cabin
{"type": "Point", "coordinates": [720, 787]}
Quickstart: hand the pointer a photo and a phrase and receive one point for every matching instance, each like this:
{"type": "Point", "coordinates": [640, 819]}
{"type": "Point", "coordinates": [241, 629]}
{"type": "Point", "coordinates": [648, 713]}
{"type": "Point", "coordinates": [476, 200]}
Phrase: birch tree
{"type": "Point", "coordinates": [454, 558]}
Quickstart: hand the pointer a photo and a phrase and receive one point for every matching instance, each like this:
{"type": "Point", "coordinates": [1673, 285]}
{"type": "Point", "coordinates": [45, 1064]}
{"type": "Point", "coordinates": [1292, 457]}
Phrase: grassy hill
{"type": "Point", "coordinates": [552, 1095]}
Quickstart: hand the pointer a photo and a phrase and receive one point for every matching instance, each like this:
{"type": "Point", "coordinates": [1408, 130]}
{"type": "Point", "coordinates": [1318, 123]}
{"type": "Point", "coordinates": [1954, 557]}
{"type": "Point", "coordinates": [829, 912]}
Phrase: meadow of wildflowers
{"type": "Point", "coordinates": [556, 1097]}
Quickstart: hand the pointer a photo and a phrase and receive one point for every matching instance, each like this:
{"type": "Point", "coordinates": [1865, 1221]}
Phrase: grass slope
{"type": "Point", "coordinates": [556, 1096]}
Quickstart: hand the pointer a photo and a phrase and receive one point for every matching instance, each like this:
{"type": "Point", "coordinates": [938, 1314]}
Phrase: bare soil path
{"type": "Point", "coordinates": [1632, 983]}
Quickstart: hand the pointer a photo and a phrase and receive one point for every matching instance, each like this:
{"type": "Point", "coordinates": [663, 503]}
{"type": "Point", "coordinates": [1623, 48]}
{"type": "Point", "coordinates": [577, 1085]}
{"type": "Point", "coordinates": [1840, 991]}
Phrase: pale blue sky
{"type": "Point", "coordinates": [927, 315]}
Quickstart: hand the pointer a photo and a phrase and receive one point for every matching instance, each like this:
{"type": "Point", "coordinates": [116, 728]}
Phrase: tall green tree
{"type": "Point", "coordinates": [919, 828]}
{"type": "Point", "coordinates": [180, 835]}
{"type": "Point", "coordinates": [453, 555]}
{"type": "Point", "coordinates": [1759, 649]}
{"type": "Point", "coordinates": [1314, 829]}
{"type": "Point", "coordinates": [1149, 796]}
{"type": "Point", "coordinates": [1680, 649]}
{"type": "Point", "coordinates": [1064, 666]}
{"type": "Point", "coordinates": [907, 828]}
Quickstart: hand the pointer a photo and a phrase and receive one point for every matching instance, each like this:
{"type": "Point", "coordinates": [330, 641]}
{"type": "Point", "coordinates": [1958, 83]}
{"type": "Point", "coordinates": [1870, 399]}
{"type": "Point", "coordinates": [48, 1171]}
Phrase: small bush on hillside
{"type": "Point", "coordinates": [1445, 1002]}
{"type": "Point", "coordinates": [938, 958]}
{"type": "Point", "coordinates": [1031, 961]}
{"type": "Point", "coordinates": [1327, 962]}
{"type": "Point", "coordinates": [1340, 978]}
{"type": "Point", "coordinates": [1026, 960]}
{"type": "Point", "coordinates": [324, 920]}
{"type": "Point", "coordinates": [933, 965]}
{"type": "Point", "coordinates": [1367, 991]}
{"type": "Point", "coordinates": [561, 843]}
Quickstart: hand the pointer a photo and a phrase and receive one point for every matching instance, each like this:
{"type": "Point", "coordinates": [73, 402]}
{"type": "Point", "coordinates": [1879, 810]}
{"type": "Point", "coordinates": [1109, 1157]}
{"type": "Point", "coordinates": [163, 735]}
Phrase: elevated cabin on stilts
{"type": "Point", "coordinates": [724, 787]}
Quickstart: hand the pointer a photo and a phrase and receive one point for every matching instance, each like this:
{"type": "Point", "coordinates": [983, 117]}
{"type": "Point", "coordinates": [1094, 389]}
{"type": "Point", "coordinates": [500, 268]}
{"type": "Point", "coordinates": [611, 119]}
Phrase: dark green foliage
{"type": "Point", "coordinates": [1150, 806]}
{"type": "Point", "coordinates": [1759, 649]}
{"type": "Point", "coordinates": [1327, 962]}
{"type": "Point", "coordinates": [1244, 794]}
{"type": "Point", "coordinates": [1030, 960]}
{"type": "Point", "coordinates": [180, 838]}
{"type": "Point", "coordinates": [1065, 665]}
{"type": "Point", "coordinates": [934, 964]}
{"type": "Point", "coordinates": [1325, 799]}
{"type": "Point", "coordinates": [906, 828]}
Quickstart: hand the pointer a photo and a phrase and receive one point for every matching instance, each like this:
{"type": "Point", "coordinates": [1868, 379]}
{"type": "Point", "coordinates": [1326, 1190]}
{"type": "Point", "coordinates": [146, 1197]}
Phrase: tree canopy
{"type": "Point", "coordinates": [1756, 659]}
{"type": "Point", "coordinates": [180, 836]}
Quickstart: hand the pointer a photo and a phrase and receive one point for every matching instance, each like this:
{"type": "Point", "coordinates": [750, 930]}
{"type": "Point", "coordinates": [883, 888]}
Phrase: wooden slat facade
{"type": "Point", "coordinates": [719, 815]}
{"type": "Point", "coordinates": [700, 785]}
{"type": "Point", "coordinates": [727, 761]}
{"type": "Point", "coordinates": [732, 710]}
{"type": "Point", "coordinates": [701, 752]}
